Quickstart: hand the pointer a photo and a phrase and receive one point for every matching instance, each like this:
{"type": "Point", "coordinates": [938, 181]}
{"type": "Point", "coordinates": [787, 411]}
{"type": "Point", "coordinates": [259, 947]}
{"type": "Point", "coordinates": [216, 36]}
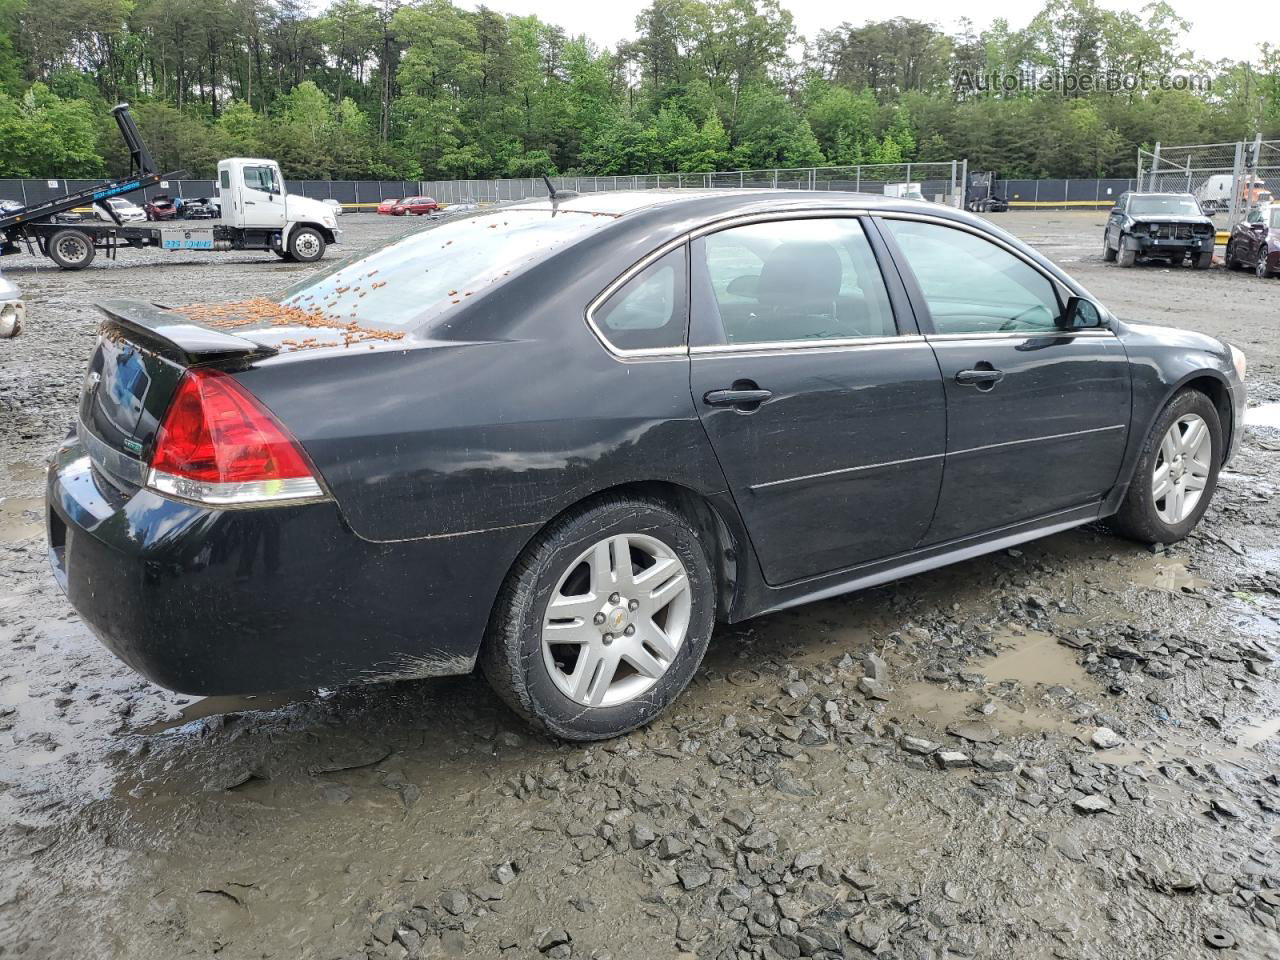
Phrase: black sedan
{"type": "Point", "coordinates": [564, 439]}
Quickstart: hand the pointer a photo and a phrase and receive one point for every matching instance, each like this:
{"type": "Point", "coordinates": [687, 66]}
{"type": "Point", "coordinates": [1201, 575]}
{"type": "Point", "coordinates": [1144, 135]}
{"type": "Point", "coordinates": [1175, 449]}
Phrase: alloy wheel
{"type": "Point", "coordinates": [1182, 468]}
{"type": "Point", "coordinates": [616, 620]}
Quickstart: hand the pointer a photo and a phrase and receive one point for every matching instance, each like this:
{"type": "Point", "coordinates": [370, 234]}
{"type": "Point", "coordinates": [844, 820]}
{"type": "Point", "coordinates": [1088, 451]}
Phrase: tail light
{"type": "Point", "coordinates": [218, 445]}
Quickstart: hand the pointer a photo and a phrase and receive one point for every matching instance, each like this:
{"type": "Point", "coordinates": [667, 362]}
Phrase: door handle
{"type": "Point", "coordinates": [981, 378]}
{"type": "Point", "coordinates": [741, 397]}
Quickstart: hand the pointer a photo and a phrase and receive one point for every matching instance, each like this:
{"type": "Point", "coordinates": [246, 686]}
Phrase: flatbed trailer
{"type": "Point", "coordinates": [294, 228]}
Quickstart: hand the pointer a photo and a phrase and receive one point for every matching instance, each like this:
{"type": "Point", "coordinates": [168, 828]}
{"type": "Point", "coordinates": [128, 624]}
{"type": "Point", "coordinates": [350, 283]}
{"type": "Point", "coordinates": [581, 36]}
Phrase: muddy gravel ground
{"type": "Point", "coordinates": [1066, 750]}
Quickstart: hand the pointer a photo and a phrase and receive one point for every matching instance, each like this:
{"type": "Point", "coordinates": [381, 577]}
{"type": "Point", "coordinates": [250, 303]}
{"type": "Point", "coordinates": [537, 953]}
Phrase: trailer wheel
{"type": "Point", "coordinates": [71, 249]}
{"type": "Point", "coordinates": [306, 245]}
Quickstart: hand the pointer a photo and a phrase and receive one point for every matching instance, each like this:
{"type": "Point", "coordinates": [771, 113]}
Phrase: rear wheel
{"type": "Point", "coordinates": [71, 249]}
{"type": "Point", "coordinates": [306, 245]}
{"type": "Point", "coordinates": [603, 619]}
{"type": "Point", "coordinates": [1176, 473]}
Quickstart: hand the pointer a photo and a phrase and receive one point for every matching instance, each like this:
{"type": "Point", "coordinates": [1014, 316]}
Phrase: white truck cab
{"type": "Point", "coordinates": [253, 201]}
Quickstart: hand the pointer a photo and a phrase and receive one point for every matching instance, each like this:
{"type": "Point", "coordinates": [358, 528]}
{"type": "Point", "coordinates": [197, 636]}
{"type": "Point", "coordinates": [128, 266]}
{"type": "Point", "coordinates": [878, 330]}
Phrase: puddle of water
{"type": "Point", "coordinates": [21, 517]}
{"type": "Point", "coordinates": [1034, 658]}
{"type": "Point", "coordinates": [14, 694]}
{"type": "Point", "coordinates": [1172, 577]}
{"type": "Point", "coordinates": [1256, 734]}
{"type": "Point", "coordinates": [1263, 415]}
{"type": "Point", "coordinates": [213, 706]}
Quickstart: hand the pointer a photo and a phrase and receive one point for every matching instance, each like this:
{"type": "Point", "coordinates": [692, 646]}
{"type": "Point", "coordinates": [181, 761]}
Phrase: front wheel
{"type": "Point", "coordinates": [1263, 271]}
{"type": "Point", "coordinates": [603, 619]}
{"type": "Point", "coordinates": [1108, 252]}
{"type": "Point", "coordinates": [1204, 261]}
{"type": "Point", "coordinates": [1176, 473]}
{"type": "Point", "coordinates": [306, 245]}
{"type": "Point", "coordinates": [1126, 257]}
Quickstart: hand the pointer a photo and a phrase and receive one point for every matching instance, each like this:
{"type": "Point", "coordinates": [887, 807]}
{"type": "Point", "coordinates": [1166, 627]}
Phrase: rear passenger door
{"type": "Point", "coordinates": [822, 401]}
{"type": "Point", "coordinates": [1037, 415]}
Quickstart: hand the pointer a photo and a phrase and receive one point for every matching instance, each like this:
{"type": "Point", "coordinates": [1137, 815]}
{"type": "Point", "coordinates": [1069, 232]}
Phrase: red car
{"type": "Point", "coordinates": [1255, 242]}
{"type": "Point", "coordinates": [386, 206]}
{"type": "Point", "coordinates": [415, 205]}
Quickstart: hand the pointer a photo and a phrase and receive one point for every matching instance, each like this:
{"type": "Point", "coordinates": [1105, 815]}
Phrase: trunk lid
{"type": "Point", "coordinates": [142, 353]}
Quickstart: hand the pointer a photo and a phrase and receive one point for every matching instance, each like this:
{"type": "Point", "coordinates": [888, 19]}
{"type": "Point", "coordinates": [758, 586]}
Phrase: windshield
{"type": "Point", "coordinates": [410, 278]}
{"type": "Point", "coordinates": [1164, 206]}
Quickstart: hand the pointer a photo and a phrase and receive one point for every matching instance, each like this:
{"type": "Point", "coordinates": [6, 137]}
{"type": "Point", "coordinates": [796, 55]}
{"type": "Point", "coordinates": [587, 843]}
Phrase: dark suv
{"type": "Point", "coordinates": [1159, 226]}
{"type": "Point", "coordinates": [1255, 242]}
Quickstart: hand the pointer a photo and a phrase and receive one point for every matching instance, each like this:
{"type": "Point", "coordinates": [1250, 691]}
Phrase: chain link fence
{"type": "Point", "coordinates": [1227, 178]}
{"type": "Point", "coordinates": [939, 182]}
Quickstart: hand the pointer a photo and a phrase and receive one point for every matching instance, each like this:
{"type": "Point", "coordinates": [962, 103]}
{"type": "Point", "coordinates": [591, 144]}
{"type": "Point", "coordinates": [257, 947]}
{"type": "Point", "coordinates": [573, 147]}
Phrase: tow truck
{"type": "Point", "coordinates": [257, 214]}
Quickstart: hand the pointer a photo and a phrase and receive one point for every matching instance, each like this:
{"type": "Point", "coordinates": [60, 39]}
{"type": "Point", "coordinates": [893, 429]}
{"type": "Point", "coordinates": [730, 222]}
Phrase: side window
{"type": "Point", "coordinates": [259, 178]}
{"type": "Point", "coordinates": [789, 280]}
{"type": "Point", "coordinates": [972, 285]}
{"type": "Point", "coordinates": [651, 309]}
{"type": "Point", "coordinates": [225, 179]}
{"type": "Point", "coordinates": [1255, 215]}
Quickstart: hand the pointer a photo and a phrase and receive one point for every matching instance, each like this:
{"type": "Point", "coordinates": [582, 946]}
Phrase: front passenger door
{"type": "Point", "coordinates": [1037, 415]}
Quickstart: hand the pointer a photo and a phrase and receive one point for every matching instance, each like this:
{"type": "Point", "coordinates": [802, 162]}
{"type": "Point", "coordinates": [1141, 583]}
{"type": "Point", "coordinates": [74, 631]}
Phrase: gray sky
{"type": "Point", "coordinates": [1215, 34]}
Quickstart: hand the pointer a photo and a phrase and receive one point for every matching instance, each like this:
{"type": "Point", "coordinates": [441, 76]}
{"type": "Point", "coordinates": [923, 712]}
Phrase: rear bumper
{"type": "Point", "coordinates": [243, 601]}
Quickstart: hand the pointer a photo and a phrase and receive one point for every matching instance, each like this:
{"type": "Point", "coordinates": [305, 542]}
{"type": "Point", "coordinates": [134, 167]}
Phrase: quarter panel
{"type": "Point", "coordinates": [452, 438]}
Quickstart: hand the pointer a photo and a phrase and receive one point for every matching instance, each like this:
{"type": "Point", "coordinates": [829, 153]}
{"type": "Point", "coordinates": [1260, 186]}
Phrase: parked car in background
{"type": "Point", "coordinates": [11, 206]}
{"type": "Point", "coordinates": [772, 397]}
{"type": "Point", "coordinates": [1255, 242]}
{"type": "Point", "coordinates": [418, 206]}
{"type": "Point", "coordinates": [202, 208]}
{"type": "Point", "coordinates": [125, 210]}
{"type": "Point", "coordinates": [12, 309]}
{"type": "Point", "coordinates": [161, 207]}
{"type": "Point", "coordinates": [386, 206]}
{"type": "Point", "coordinates": [462, 206]}
{"type": "Point", "coordinates": [1158, 226]}
{"type": "Point", "coordinates": [335, 204]}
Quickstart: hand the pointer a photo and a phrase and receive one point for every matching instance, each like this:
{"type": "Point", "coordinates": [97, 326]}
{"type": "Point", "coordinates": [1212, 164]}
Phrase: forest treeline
{"type": "Point", "coordinates": [426, 89]}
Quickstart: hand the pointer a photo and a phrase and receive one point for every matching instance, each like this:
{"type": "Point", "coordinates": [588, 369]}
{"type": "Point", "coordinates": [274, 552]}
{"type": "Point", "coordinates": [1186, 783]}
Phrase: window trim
{"type": "Point", "coordinates": [916, 294]}
{"type": "Point", "coordinates": [640, 353]}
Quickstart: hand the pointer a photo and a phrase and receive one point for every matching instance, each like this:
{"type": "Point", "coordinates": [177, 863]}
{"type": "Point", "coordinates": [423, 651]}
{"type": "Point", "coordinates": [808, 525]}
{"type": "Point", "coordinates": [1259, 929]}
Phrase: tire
{"type": "Point", "coordinates": [71, 249]}
{"type": "Point", "coordinates": [1141, 516]}
{"type": "Point", "coordinates": [306, 245]}
{"type": "Point", "coordinates": [1204, 261]}
{"type": "Point", "coordinates": [1261, 269]}
{"type": "Point", "coordinates": [538, 680]}
{"type": "Point", "coordinates": [1126, 258]}
{"type": "Point", "coordinates": [1232, 262]}
{"type": "Point", "coordinates": [1108, 254]}
{"type": "Point", "coordinates": [284, 255]}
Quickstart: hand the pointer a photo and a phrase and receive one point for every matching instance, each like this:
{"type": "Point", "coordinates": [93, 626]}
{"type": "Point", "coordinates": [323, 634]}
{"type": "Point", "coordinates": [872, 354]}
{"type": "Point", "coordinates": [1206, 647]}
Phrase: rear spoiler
{"type": "Point", "coordinates": [177, 337]}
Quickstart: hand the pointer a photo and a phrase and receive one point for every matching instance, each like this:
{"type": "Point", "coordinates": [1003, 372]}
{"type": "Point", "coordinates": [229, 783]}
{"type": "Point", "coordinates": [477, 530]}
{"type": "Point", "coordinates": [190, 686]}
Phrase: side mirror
{"type": "Point", "coordinates": [1080, 314]}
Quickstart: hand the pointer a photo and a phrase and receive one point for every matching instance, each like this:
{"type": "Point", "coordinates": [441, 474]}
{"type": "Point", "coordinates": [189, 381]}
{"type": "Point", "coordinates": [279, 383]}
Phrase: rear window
{"type": "Point", "coordinates": [410, 279]}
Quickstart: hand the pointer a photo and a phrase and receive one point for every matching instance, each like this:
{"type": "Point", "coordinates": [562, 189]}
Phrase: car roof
{"type": "Point", "coordinates": [696, 202]}
{"type": "Point", "coordinates": [1161, 193]}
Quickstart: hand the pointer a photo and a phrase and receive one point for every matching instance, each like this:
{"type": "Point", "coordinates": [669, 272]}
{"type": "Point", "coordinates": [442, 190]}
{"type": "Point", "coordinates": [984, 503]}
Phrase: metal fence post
{"type": "Point", "coordinates": [1155, 167]}
{"type": "Point", "coordinates": [1237, 172]}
